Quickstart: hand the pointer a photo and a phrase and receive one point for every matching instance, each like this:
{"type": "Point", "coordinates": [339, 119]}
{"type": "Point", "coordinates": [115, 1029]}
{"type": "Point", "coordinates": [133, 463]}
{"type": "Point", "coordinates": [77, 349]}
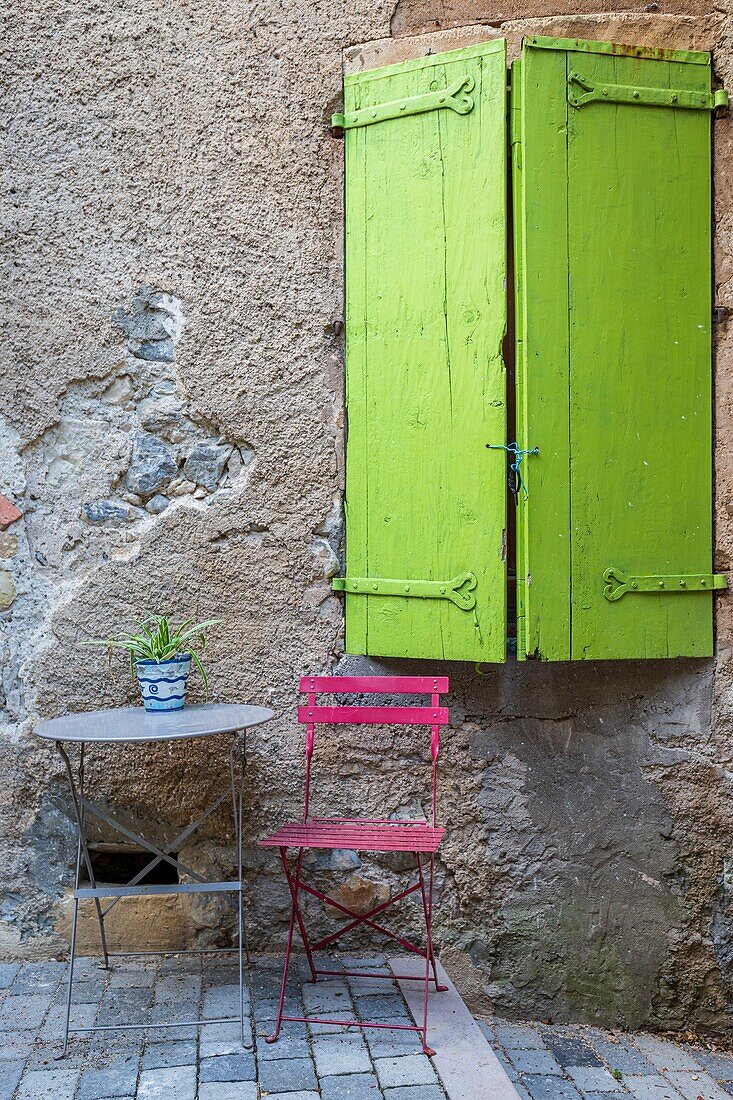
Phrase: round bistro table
{"type": "Point", "coordinates": [125, 726]}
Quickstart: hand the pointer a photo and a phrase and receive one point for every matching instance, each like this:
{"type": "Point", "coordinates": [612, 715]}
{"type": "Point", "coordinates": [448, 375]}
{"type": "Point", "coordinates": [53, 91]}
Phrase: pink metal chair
{"type": "Point", "coordinates": [421, 838]}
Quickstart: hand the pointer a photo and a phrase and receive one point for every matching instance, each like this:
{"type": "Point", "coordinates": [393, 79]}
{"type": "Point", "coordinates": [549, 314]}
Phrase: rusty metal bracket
{"type": "Point", "coordinates": [454, 98]}
{"type": "Point", "coordinates": [581, 91]}
{"type": "Point", "coordinates": [618, 584]}
{"type": "Point", "coordinates": [459, 590]}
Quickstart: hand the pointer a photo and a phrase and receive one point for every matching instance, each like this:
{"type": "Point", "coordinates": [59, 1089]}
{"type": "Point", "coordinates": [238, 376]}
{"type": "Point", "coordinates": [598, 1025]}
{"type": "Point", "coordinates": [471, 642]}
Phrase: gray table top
{"type": "Point", "coordinates": [124, 724]}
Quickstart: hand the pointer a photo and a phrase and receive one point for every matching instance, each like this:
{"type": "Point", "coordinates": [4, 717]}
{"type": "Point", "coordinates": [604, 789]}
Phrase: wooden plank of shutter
{"type": "Point", "coordinates": [425, 379]}
{"type": "Point", "coordinates": [636, 375]}
{"type": "Point", "coordinates": [542, 361]}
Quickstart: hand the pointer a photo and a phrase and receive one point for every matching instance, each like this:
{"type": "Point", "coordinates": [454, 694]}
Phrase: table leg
{"type": "Point", "coordinates": [77, 797]}
{"type": "Point", "coordinates": [237, 800]}
{"type": "Point", "coordinates": [81, 848]}
{"type": "Point", "coordinates": [70, 976]}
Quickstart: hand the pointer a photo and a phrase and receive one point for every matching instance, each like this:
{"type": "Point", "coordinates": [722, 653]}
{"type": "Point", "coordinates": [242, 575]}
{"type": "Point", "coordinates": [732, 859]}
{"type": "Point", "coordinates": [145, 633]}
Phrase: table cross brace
{"type": "Point", "coordinates": [173, 844]}
{"type": "Point", "coordinates": [160, 853]}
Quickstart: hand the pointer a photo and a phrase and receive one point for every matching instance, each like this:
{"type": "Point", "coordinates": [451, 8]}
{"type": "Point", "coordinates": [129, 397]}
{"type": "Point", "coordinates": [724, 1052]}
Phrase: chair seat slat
{"type": "Point", "coordinates": [394, 837]}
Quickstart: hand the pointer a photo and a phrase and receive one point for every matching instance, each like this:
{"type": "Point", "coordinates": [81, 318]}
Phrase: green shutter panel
{"type": "Point", "coordinates": [425, 379]}
{"type": "Point", "coordinates": [613, 244]}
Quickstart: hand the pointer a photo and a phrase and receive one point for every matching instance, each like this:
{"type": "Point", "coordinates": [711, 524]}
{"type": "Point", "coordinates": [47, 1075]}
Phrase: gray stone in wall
{"type": "Point", "coordinates": [144, 320]}
{"type": "Point", "coordinates": [205, 464]}
{"type": "Point", "coordinates": [153, 465]}
{"type": "Point", "coordinates": [156, 351]}
{"type": "Point", "coordinates": [339, 859]}
{"type": "Point", "coordinates": [157, 504]}
{"type": "Point", "coordinates": [110, 513]}
{"type": "Point", "coordinates": [162, 412]}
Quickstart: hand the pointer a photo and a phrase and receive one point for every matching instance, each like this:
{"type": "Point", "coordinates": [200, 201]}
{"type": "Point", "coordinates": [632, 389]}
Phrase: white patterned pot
{"type": "Point", "coordinates": [163, 683]}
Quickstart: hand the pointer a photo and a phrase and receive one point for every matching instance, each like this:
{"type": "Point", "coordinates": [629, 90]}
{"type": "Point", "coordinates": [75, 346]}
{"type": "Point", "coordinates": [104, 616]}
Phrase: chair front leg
{"type": "Point", "coordinates": [295, 914]}
{"type": "Point", "coordinates": [295, 886]}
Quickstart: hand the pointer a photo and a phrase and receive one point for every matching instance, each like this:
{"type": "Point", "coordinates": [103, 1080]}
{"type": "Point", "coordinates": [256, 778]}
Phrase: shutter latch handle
{"type": "Point", "coordinates": [515, 471]}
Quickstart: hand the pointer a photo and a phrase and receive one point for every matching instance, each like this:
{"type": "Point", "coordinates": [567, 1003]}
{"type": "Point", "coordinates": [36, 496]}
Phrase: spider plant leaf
{"type": "Point", "coordinates": [202, 673]}
{"type": "Point", "coordinates": [197, 630]}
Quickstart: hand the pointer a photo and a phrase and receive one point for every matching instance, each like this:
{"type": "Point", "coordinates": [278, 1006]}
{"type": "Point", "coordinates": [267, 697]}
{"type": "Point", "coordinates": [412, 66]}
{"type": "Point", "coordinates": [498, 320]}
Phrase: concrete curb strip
{"type": "Point", "coordinates": [464, 1061]}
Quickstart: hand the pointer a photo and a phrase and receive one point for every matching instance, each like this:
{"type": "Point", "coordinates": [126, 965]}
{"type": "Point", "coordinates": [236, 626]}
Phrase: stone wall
{"type": "Point", "coordinates": [171, 431]}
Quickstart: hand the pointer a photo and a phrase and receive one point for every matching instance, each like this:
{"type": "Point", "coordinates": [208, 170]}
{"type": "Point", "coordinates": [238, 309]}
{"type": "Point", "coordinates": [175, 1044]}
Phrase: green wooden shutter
{"type": "Point", "coordinates": [613, 247]}
{"type": "Point", "coordinates": [425, 379]}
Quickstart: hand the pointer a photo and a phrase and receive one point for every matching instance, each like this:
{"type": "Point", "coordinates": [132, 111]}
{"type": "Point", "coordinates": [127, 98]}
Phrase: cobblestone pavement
{"type": "Point", "coordinates": [309, 1062]}
{"type": "Point", "coordinates": [570, 1063]}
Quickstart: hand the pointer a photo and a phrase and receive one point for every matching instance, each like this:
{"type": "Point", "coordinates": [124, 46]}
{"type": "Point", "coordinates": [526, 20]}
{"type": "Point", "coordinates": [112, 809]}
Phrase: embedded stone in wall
{"type": "Point", "coordinates": [8, 546]}
{"type": "Point", "coordinates": [359, 895]}
{"type": "Point", "coordinates": [205, 464]}
{"type": "Point", "coordinates": [153, 324]}
{"type": "Point", "coordinates": [157, 504]}
{"type": "Point", "coordinates": [8, 513]}
{"type": "Point", "coordinates": [162, 412]}
{"type": "Point", "coordinates": [157, 351]}
{"type": "Point", "coordinates": [111, 513]}
{"type": "Point", "coordinates": [7, 591]}
{"type": "Point", "coordinates": [336, 859]}
{"type": "Point", "coordinates": [153, 465]}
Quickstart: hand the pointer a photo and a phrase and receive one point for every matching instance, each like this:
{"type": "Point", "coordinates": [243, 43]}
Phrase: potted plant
{"type": "Point", "coordinates": [161, 655]}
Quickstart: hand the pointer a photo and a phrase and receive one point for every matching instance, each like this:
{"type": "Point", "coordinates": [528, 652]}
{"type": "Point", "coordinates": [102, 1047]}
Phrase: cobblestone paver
{"type": "Point", "coordinates": [309, 1062]}
{"type": "Point", "coordinates": [583, 1063]}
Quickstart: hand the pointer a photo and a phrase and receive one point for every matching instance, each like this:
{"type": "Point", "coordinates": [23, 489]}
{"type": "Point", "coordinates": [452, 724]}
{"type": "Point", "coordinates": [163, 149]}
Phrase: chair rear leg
{"type": "Point", "coordinates": [429, 956]}
{"type": "Point", "coordinates": [439, 988]}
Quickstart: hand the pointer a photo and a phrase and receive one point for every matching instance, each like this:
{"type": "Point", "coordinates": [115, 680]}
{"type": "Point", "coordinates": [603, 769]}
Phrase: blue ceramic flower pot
{"type": "Point", "coordinates": [163, 683]}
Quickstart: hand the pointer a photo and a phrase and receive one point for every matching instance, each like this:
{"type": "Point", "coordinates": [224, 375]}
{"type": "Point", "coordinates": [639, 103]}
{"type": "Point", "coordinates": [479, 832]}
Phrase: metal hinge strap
{"type": "Point", "coordinates": [453, 98]}
{"type": "Point", "coordinates": [459, 590]}
{"type": "Point", "coordinates": [618, 584]}
{"type": "Point", "coordinates": [581, 90]}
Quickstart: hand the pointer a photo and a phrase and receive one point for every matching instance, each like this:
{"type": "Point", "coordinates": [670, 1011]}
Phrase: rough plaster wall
{"type": "Point", "coordinates": [171, 429]}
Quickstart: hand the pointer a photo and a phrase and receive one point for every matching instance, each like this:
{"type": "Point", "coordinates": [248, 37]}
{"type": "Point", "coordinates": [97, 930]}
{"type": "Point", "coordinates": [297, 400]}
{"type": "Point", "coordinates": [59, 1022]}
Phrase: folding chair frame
{"type": "Point", "coordinates": [373, 831]}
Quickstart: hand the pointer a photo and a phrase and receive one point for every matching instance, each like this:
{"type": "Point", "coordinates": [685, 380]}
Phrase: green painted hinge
{"type": "Point", "coordinates": [459, 590]}
{"type": "Point", "coordinates": [454, 98]}
{"type": "Point", "coordinates": [618, 584]}
{"type": "Point", "coordinates": [581, 90]}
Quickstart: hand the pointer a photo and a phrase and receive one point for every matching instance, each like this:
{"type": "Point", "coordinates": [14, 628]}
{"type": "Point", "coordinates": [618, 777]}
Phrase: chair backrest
{"type": "Point", "coordinates": [434, 716]}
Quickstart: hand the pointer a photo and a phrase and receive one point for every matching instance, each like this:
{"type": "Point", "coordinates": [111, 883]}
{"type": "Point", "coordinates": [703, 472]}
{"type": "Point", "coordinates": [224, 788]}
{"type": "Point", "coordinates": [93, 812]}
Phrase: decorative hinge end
{"type": "Point", "coordinates": [618, 583]}
{"type": "Point", "coordinates": [453, 98]}
{"type": "Point", "coordinates": [582, 90]}
{"type": "Point", "coordinates": [459, 590]}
